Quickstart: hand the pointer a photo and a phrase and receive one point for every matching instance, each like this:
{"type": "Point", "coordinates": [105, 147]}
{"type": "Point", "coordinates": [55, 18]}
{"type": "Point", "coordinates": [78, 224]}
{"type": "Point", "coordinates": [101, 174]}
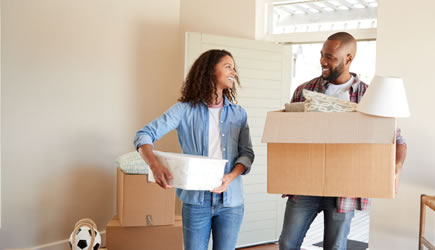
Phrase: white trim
{"type": "Point", "coordinates": [287, 63]}
{"type": "Point", "coordinates": [285, 2]}
{"type": "Point", "coordinates": [61, 245]}
{"type": "Point", "coordinates": [193, 45]}
{"type": "Point", "coordinates": [329, 17]}
{"type": "Point", "coordinates": [320, 37]}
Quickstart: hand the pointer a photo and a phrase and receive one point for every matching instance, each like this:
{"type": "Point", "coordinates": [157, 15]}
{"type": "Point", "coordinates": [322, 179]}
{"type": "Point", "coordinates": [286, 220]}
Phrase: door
{"type": "Point", "coordinates": [264, 71]}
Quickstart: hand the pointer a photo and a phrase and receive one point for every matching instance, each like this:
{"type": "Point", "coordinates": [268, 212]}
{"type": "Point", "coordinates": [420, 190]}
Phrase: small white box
{"type": "Point", "coordinates": [191, 172]}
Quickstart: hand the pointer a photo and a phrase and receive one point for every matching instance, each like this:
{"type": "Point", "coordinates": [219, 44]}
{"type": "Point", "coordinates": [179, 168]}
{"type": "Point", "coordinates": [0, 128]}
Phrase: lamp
{"type": "Point", "coordinates": [385, 97]}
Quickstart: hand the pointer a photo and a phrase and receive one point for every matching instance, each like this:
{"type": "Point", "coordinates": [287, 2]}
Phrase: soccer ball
{"type": "Point", "coordinates": [83, 237]}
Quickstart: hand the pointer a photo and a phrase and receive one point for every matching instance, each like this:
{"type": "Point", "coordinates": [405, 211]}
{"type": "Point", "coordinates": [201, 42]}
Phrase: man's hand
{"type": "Point", "coordinates": [397, 176]}
{"type": "Point", "coordinates": [401, 151]}
{"type": "Point", "coordinates": [161, 175]}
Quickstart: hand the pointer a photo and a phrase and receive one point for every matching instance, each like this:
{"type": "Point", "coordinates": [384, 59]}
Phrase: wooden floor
{"type": "Point", "coordinates": [261, 247]}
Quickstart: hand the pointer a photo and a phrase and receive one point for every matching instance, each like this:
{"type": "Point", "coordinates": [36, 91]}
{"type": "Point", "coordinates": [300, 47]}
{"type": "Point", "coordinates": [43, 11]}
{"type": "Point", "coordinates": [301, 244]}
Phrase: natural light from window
{"type": "Point", "coordinates": [322, 15]}
{"type": "Point", "coordinates": [306, 62]}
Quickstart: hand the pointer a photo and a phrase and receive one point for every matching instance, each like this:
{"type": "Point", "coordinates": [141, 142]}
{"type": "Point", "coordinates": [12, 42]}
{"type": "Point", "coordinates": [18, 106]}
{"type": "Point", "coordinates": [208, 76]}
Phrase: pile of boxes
{"type": "Point", "coordinates": [148, 216]}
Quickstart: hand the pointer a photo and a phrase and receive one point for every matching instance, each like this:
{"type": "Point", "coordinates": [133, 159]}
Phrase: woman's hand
{"type": "Point", "coordinates": [161, 175]}
{"type": "Point", "coordinates": [228, 178]}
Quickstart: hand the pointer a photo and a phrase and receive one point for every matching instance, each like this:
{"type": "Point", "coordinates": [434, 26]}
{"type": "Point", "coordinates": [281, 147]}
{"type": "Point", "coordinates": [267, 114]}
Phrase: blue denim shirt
{"type": "Point", "coordinates": [192, 125]}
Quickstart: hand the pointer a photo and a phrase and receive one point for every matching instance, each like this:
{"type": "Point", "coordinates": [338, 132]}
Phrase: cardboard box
{"type": "Point", "coordinates": [142, 203]}
{"type": "Point", "coordinates": [192, 172]}
{"type": "Point", "coordinates": [139, 238]}
{"type": "Point", "coordinates": [345, 154]}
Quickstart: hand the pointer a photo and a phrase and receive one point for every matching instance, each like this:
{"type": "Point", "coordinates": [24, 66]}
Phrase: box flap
{"type": "Point", "coordinates": [328, 127]}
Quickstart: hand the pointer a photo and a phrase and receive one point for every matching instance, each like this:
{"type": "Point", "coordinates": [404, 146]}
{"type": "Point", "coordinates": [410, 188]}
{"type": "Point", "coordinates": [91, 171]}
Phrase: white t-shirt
{"type": "Point", "coordinates": [341, 91]}
{"type": "Point", "coordinates": [214, 133]}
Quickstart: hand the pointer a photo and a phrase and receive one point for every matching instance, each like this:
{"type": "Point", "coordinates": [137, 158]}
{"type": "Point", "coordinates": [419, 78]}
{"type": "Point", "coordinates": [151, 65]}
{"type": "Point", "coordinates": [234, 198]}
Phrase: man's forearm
{"type": "Point", "coordinates": [401, 150]}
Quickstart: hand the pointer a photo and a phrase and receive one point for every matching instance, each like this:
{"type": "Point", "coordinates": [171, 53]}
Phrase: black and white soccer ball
{"type": "Point", "coordinates": [83, 238]}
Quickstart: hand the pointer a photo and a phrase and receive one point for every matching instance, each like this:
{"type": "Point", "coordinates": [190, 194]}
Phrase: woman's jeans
{"type": "Point", "coordinates": [300, 213]}
{"type": "Point", "coordinates": [212, 216]}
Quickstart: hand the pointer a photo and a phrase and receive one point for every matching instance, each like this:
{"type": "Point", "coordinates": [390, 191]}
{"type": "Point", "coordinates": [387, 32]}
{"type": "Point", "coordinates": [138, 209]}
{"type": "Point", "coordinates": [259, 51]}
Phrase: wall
{"type": "Point", "coordinates": [229, 18]}
{"type": "Point", "coordinates": [405, 47]}
{"type": "Point", "coordinates": [78, 79]}
{"type": "Point", "coordinates": [0, 132]}
{"type": "Point", "coordinates": [225, 18]}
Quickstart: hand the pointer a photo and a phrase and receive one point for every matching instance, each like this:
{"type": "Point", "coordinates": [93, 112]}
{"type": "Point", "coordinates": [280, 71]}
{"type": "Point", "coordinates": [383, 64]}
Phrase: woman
{"type": "Point", "coordinates": [208, 123]}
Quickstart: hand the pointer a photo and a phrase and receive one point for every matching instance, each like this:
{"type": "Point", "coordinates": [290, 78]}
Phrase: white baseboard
{"type": "Point", "coordinates": [59, 245]}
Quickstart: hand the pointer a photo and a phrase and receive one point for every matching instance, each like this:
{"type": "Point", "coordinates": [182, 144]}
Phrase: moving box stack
{"type": "Point", "coordinates": [146, 216]}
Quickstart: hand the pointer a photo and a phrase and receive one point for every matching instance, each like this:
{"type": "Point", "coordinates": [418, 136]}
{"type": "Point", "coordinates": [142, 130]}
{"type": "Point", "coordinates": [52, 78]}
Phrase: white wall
{"type": "Point", "coordinates": [78, 79]}
{"type": "Point", "coordinates": [405, 47]}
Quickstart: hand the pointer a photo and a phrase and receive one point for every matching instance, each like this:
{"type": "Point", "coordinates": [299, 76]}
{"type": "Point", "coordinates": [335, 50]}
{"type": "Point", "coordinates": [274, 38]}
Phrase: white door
{"type": "Point", "coordinates": [264, 71]}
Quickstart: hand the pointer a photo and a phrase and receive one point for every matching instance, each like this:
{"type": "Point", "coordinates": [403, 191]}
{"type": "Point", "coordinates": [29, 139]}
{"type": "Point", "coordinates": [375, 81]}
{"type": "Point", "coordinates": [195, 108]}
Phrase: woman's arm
{"type": "Point", "coordinates": [246, 153]}
{"type": "Point", "coordinates": [154, 131]}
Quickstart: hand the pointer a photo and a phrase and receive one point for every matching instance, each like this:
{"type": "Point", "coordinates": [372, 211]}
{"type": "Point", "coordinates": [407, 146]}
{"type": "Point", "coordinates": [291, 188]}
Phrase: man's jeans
{"type": "Point", "coordinates": [300, 213]}
{"type": "Point", "coordinates": [200, 220]}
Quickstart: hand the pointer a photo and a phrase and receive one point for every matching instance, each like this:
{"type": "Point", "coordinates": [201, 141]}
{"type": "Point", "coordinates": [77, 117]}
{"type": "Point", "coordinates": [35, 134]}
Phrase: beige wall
{"type": "Point", "coordinates": [0, 131]}
{"type": "Point", "coordinates": [225, 17]}
{"type": "Point", "coordinates": [405, 47]}
{"type": "Point", "coordinates": [78, 79]}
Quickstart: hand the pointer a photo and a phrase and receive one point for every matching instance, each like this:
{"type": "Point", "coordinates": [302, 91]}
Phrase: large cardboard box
{"type": "Point", "coordinates": [140, 238]}
{"type": "Point", "coordinates": [143, 203]}
{"type": "Point", "coordinates": [345, 154]}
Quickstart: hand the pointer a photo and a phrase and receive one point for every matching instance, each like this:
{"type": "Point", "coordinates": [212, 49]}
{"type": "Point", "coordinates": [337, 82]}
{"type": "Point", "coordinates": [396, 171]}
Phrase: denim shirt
{"type": "Point", "coordinates": [192, 124]}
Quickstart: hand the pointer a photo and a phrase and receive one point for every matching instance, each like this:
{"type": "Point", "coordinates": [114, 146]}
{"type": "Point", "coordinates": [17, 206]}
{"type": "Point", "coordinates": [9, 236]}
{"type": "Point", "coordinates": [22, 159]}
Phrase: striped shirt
{"type": "Point", "coordinates": [356, 92]}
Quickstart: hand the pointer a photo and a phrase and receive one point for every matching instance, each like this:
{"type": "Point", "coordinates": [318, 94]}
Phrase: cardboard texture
{"type": "Point", "coordinates": [327, 127]}
{"type": "Point", "coordinates": [139, 238]}
{"type": "Point", "coordinates": [141, 203]}
{"type": "Point", "coordinates": [178, 207]}
{"type": "Point", "coordinates": [345, 154]}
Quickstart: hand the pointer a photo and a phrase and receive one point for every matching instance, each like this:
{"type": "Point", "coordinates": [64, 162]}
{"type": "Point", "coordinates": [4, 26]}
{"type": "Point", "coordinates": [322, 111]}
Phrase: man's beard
{"type": "Point", "coordinates": [335, 73]}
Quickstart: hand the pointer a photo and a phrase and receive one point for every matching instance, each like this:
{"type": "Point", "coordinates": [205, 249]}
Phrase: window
{"type": "Point", "coordinates": [306, 62]}
{"type": "Point", "coordinates": [296, 16]}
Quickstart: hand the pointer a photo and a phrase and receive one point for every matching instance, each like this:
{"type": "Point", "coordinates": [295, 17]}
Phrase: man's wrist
{"type": "Point", "coordinates": [399, 167]}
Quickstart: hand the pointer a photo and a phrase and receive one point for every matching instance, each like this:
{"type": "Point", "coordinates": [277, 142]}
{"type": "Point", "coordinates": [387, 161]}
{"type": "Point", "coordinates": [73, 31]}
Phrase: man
{"type": "Point", "coordinates": [337, 55]}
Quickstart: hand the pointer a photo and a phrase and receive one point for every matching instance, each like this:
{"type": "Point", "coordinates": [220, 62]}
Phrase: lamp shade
{"type": "Point", "coordinates": [385, 97]}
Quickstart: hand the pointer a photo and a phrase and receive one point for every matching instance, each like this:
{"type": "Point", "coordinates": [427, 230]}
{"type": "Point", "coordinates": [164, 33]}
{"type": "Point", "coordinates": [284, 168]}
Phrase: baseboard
{"type": "Point", "coordinates": [60, 245]}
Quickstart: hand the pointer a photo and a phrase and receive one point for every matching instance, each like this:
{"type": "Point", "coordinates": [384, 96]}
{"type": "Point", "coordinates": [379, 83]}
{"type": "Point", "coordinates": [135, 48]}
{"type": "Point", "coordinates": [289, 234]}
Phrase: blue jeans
{"type": "Point", "coordinates": [223, 222]}
{"type": "Point", "coordinates": [300, 213]}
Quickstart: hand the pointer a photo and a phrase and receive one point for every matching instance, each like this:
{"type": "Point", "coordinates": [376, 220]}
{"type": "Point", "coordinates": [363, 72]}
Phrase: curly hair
{"type": "Point", "coordinates": [200, 83]}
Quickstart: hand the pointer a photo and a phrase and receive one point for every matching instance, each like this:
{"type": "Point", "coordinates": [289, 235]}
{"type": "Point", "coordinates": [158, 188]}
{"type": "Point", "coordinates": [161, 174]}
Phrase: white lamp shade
{"type": "Point", "coordinates": [385, 97]}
